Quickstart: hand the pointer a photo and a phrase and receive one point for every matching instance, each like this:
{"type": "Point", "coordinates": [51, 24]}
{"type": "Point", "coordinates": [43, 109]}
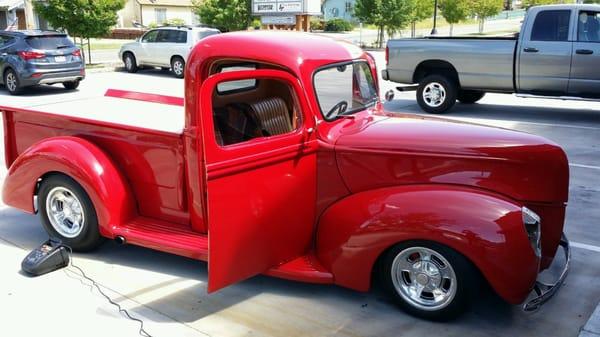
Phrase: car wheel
{"type": "Point", "coordinates": [130, 63]}
{"type": "Point", "coordinates": [436, 94]}
{"type": "Point", "coordinates": [178, 67]}
{"type": "Point", "coordinates": [429, 280]}
{"type": "Point", "coordinates": [470, 96]}
{"type": "Point", "coordinates": [72, 85]}
{"type": "Point", "coordinates": [67, 213]}
{"type": "Point", "coordinates": [11, 81]}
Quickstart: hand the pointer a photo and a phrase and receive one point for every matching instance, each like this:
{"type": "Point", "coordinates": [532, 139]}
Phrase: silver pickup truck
{"type": "Point", "coordinates": [556, 55]}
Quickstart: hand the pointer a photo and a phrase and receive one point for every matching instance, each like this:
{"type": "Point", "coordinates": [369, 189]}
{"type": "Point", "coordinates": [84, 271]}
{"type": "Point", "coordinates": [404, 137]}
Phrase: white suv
{"type": "Point", "coordinates": [166, 47]}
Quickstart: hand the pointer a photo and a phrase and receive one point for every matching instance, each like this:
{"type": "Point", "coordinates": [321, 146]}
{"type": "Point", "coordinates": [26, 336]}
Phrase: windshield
{"type": "Point", "coordinates": [49, 42]}
{"type": "Point", "coordinates": [344, 89]}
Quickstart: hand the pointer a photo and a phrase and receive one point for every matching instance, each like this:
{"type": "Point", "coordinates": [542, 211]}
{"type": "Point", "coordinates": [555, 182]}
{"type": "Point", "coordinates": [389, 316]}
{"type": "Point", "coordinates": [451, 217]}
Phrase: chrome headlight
{"type": "Point", "coordinates": [532, 223]}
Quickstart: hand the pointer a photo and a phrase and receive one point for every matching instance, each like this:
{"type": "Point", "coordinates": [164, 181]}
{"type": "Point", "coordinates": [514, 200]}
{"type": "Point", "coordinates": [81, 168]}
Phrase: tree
{"type": "Point", "coordinates": [81, 18]}
{"type": "Point", "coordinates": [454, 11]}
{"type": "Point", "coordinates": [226, 15]}
{"type": "Point", "coordinates": [388, 15]}
{"type": "Point", "coordinates": [421, 10]}
{"type": "Point", "coordinates": [484, 9]}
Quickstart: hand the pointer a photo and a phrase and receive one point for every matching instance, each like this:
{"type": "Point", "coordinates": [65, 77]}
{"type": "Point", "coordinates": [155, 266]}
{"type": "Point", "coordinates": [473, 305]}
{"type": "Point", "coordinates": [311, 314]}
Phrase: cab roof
{"type": "Point", "coordinates": [292, 50]}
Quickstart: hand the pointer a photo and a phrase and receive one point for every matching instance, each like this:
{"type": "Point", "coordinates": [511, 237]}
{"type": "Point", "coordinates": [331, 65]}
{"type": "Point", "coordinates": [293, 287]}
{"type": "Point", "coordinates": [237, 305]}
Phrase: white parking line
{"type": "Point", "coordinates": [585, 246]}
{"type": "Point", "coordinates": [585, 166]}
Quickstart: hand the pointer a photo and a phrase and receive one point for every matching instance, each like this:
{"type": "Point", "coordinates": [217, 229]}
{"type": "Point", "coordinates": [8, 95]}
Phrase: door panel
{"type": "Point", "coordinates": [261, 193]}
{"type": "Point", "coordinates": [545, 54]}
{"type": "Point", "coordinates": [585, 73]}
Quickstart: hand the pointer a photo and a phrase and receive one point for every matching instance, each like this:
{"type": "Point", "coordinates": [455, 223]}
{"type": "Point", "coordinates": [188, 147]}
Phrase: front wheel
{"type": "Point", "coordinates": [130, 63]}
{"type": "Point", "coordinates": [178, 67]}
{"type": "Point", "coordinates": [67, 213]}
{"type": "Point", "coordinates": [470, 96]}
{"type": "Point", "coordinates": [429, 280]}
{"type": "Point", "coordinates": [436, 94]}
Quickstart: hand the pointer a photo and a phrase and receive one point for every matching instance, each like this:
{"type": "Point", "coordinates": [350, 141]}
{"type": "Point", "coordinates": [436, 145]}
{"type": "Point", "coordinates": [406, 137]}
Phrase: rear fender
{"type": "Point", "coordinates": [80, 160]}
{"type": "Point", "coordinates": [486, 228]}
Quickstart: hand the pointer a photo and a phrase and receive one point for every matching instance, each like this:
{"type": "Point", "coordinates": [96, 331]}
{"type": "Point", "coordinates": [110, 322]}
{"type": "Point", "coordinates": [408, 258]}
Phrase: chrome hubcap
{"type": "Point", "coordinates": [424, 278]}
{"type": "Point", "coordinates": [65, 212]}
{"type": "Point", "coordinates": [11, 82]}
{"type": "Point", "coordinates": [178, 67]}
{"type": "Point", "coordinates": [434, 94]}
{"type": "Point", "coordinates": [128, 62]}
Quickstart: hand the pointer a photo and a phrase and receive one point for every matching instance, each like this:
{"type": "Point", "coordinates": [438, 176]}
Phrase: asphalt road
{"type": "Point", "coordinates": [169, 292]}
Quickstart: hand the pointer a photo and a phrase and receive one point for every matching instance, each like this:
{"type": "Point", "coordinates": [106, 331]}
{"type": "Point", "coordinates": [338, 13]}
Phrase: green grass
{"type": "Point", "coordinates": [104, 44]}
{"type": "Point", "coordinates": [428, 23]}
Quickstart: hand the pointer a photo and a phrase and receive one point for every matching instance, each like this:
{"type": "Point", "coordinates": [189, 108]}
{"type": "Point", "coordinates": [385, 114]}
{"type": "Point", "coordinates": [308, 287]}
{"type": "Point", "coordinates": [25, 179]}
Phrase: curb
{"type": "Point", "coordinates": [592, 327]}
{"type": "Point", "coordinates": [103, 68]}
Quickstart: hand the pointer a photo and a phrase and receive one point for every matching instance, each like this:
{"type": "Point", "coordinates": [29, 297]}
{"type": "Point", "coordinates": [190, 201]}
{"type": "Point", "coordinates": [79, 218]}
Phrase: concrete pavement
{"type": "Point", "coordinates": [169, 292]}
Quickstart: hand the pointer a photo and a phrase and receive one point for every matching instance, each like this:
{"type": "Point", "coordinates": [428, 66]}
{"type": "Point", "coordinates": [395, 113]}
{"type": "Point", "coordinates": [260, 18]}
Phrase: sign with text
{"type": "Point", "coordinates": [278, 20]}
{"type": "Point", "coordinates": [278, 7]}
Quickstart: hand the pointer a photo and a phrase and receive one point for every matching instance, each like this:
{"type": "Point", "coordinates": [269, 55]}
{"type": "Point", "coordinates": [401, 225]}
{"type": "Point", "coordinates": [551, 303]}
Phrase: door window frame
{"type": "Point", "coordinates": [255, 148]}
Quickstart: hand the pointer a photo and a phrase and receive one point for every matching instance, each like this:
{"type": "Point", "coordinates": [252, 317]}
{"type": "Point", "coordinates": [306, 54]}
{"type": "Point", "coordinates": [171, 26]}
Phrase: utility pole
{"type": "Point", "coordinates": [435, 7]}
{"type": "Point", "coordinates": [29, 16]}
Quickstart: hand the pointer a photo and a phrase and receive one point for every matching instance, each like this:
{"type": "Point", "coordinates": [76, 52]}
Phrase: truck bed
{"type": "Point", "coordinates": [143, 139]}
{"type": "Point", "coordinates": [484, 63]}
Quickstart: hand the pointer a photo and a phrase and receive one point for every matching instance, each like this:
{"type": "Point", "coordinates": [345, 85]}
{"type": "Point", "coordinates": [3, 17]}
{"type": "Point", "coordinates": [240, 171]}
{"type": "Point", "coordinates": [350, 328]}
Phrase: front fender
{"type": "Point", "coordinates": [80, 160]}
{"type": "Point", "coordinates": [484, 227]}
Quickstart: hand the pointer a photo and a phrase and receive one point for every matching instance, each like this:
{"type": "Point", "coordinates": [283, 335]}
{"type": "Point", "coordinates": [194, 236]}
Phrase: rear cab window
{"type": "Point", "coordinates": [236, 86]}
{"type": "Point", "coordinates": [551, 25]}
{"type": "Point", "coordinates": [49, 42]}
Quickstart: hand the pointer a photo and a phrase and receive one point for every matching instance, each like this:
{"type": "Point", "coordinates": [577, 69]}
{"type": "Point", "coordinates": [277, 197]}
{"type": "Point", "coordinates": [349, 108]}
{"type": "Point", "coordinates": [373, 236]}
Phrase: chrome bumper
{"type": "Point", "coordinates": [545, 291]}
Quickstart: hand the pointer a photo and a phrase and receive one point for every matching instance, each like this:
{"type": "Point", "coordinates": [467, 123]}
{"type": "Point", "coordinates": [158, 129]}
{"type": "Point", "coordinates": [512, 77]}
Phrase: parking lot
{"type": "Point", "coordinates": [169, 292]}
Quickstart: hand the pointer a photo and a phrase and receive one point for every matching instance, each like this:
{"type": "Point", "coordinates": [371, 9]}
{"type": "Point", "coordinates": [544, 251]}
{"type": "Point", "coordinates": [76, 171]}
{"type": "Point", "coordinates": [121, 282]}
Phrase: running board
{"type": "Point", "coordinates": [564, 98]}
{"type": "Point", "coordinates": [304, 269]}
{"type": "Point", "coordinates": [164, 236]}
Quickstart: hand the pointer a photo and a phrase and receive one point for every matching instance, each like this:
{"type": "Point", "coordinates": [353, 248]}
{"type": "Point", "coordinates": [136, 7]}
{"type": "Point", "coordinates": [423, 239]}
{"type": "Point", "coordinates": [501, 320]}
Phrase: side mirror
{"type": "Point", "coordinates": [389, 95]}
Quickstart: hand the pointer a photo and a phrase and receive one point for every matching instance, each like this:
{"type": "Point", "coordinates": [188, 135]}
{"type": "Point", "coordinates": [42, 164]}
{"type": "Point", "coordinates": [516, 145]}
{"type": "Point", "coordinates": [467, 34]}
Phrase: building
{"type": "Point", "coordinates": [156, 12]}
{"type": "Point", "coordinates": [342, 9]}
{"type": "Point", "coordinates": [20, 15]}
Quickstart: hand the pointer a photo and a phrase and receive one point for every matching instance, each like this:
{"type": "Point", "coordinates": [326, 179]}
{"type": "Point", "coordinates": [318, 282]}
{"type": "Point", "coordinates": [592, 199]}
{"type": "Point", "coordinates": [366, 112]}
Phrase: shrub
{"type": "Point", "coordinates": [175, 22]}
{"type": "Point", "coordinates": [338, 25]}
{"type": "Point", "coordinates": [317, 24]}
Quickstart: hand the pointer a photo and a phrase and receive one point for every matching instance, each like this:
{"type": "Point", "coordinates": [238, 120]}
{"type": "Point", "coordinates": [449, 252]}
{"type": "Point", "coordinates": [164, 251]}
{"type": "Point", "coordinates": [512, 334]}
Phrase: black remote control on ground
{"type": "Point", "coordinates": [50, 256]}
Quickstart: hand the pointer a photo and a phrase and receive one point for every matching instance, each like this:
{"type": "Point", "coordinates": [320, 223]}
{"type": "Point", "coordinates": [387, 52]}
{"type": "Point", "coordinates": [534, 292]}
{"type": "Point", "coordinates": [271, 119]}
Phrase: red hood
{"type": "Point", "coordinates": [407, 149]}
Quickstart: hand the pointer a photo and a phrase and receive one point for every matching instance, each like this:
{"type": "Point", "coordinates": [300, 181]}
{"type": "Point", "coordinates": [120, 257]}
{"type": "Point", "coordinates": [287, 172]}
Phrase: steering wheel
{"type": "Point", "coordinates": [340, 107]}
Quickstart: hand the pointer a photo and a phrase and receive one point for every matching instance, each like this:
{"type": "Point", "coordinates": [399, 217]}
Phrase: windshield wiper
{"type": "Point", "coordinates": [62, 46]}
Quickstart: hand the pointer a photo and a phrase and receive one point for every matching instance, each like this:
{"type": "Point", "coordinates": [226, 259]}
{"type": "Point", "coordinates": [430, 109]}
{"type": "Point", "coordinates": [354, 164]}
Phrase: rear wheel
{"type": "Point", "coordinates": [12, 83]}
{"type": "Point", "coordinates": [178, 67]}
{"type": "Point", "coordinates": [470, 96]}
{"type": "Point", "coordinates": [67, 213]}
{"type": "Point", "coordinates": [429, 280]}
{"type": "Point", "coordinates": [436, 94]}
{"type": "Point", "coordinates": [130, 62]}
{"type": "Point", "coordinates": [71, 85]}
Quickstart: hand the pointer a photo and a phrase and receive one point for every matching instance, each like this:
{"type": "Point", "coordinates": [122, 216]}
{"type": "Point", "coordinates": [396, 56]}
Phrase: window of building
{"type": "Point", "coordinates": [160, 15]}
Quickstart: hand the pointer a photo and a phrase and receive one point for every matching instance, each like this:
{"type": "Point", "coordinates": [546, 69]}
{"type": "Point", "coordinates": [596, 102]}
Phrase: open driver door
{"type": "Point", "coordinates": [260, 172]}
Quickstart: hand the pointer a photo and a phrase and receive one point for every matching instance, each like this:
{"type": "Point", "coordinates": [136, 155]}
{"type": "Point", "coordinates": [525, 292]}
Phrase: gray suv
{"type": "Point", "coordinates": [34, 57]}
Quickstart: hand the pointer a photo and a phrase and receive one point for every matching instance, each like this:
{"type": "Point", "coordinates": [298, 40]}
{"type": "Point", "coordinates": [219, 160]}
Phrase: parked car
{"type": "Point", "coordinates": [554, 56]}
{"type": "Point", "coordinates": [166, 47]}
{"type": "Point", "coordinates": [32, 57]}
{"type": "Point", "coordinates": [285, 163]}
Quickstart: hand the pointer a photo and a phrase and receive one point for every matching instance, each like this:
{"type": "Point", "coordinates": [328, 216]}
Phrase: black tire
{"type": "Point", "coordinates": [88, 238]}
{"type": "Point", "coordinates": [467, 281]}
{"type": "Point", "coordinates": [130, 62]}
{"type": "Point", "coordinates": [12, 82]}
{"type": "Point", "coordinates": [72, 85]}
{"type": "Point", "coordinates": [444, 84]}
{"type": "Point", "coordinates": [470, 96]}
{"type": "Point", "coordinates": [178, 67]}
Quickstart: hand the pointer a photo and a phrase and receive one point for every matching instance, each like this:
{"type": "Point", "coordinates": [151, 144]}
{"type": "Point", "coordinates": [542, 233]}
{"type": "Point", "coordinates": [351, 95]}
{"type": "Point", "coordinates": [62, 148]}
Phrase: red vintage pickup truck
{"type": "Point", "coordinates": [284, 162]}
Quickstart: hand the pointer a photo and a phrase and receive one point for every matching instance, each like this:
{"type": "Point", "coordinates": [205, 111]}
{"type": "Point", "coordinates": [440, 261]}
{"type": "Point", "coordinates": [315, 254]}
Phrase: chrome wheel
{"type": "Point", "coordinates": [11, 81]}
{"type": "Point", "coordinates": [178, 67]}
{"type": "Point", "coordinates": [128, 62]}
{"type": "Point", "coordinates": [434, 94]}
{"type": "Point", "coordinates": [65, 212]}
{"type": "Point", "coordinates": [424, 278]}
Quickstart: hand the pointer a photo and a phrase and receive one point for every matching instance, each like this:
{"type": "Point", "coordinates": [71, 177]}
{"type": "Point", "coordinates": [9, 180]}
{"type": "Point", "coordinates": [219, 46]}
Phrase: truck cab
{"type": "Point", "coordinates": [287, 164]}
